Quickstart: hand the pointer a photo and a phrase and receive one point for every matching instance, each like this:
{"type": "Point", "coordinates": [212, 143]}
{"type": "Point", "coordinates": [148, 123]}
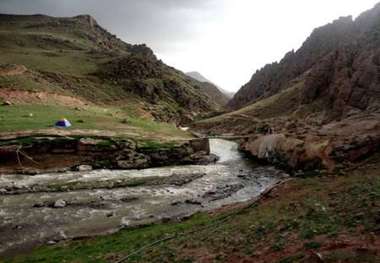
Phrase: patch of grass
{"type": "Point", "coordinates": [279, 244]}
{"type": "Point", "coordinates": [71, 62]}
{"type": "Point", "coordinates": [104, 144]}
{"type": "Point", "coordinates": [19, 82]}
{"type": "Point", "coordinates": [113, 246]}
{"type": "Point", "coordinates": [312, 245]}
{"type": "Point", "coordinates": [275, 106]}
{"type": "Point", "coordinates": [155, 145]}
{"type": "Point", "coordinates": [293, 259]}
{"type": "Point", "coordinates": [351, 257]}
{"type": "Point", "coordinates": [17, 118]}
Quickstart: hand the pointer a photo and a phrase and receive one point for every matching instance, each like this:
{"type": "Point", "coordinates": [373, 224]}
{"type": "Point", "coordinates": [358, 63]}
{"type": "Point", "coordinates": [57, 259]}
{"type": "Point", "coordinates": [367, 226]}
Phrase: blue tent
{"type": "Point", "coordinates": [63, 123]}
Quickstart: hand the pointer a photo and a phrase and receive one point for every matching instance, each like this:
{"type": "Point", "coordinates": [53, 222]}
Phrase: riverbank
{"type": "Point", "coordinates": [300, 146]}
{"type": "Point", "coordinates": [318, 219]}
{"type": "Point", "coordinates": [67, 151]}
{"type": "Point", "coordinates": [72, 205]}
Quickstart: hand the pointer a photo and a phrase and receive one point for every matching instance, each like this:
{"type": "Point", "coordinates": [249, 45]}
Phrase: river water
{"type": "Point", "coordinates": [53, 207]}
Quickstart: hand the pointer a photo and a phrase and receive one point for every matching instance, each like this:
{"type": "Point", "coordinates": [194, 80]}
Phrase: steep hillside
{"type": "Point", "coordinates": [319, 107]}
{"type": "Point", "coordinates": [76, 57]}
{"type": "Point", "coordinates": [338, 62]}
{"type": "Point", "coordinates": [216, 93]}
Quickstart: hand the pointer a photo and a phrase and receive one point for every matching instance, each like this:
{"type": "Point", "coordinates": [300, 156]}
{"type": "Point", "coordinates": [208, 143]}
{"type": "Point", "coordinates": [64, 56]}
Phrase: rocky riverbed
{"type": "Point", "coordinates": [48, 208]}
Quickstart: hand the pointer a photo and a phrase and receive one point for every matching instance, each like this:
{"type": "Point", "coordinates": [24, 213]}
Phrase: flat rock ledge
{"type": "Point", "coordinates": [41, 154]}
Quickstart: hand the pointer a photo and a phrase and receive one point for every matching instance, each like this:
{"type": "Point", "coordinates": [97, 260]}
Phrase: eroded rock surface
{"type": "Point", "coordinates": [336, 143]}
{"type": "Point", "coordinates": [36, 154]}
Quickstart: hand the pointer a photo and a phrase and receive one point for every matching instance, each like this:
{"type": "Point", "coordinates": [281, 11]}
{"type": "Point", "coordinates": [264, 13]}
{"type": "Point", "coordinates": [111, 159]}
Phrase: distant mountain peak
{"type": "Point", "coordinates": [198, 76]}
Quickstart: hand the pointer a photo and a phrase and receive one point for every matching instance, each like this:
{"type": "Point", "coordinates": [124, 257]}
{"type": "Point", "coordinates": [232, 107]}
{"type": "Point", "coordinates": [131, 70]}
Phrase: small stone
{"type": "Point", "coordinates": [125, 222]}
{"type": "Point", "coordinates": [51, 242]}
{"type": "Point", "coordinates": [193, 202]}
{"type": "Point", "coordinates": [84, 168]}
{"type": "Point", "coordinates": [39, 204]}
{"type": "Point", "coordinates": [60, 203]}
{"type": "Point", "coordinates": [125, 121]}
{"type": "Point", "coordinates": [110, 214]}
{"type": "Point", "coordinates": [3, 191]}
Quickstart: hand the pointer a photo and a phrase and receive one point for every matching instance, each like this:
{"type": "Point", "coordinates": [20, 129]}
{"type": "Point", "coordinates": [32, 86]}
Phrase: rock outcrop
{"type": "Point", "coordinates": [339, 63]}
{"type": "Point", "coordinates": [44, 153]}
{"type": "Point", "coordinates": [332, 146]}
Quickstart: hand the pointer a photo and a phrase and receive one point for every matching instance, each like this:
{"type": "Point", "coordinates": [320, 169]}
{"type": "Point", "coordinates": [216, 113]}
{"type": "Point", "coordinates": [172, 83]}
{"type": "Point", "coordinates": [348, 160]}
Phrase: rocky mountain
{"type": "Point", "coordinates": [198, 76]}
{"type": "Point", "coordinates": [338, 64]}
{"type": "Point", "coordinates": [216, 93]}
{"type": "Point", "coordinates": [77, 57]}
{"type": "Point", "coordinates": [319, 107]}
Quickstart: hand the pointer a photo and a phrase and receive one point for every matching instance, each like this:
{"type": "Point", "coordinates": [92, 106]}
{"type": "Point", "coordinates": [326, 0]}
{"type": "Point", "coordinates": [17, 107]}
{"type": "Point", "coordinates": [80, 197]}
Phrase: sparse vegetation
{"type": "Point", "coordinates": [154, 145]}
{"type": "Point", "coordinates": [309, 212]}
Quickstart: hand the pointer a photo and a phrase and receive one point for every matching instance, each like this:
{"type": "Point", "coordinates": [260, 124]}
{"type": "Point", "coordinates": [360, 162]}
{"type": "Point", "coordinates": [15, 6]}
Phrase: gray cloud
{"type": "Point", "coordinates": [226, 40]}
{"type": "Point", "coordinates": [159, 23]}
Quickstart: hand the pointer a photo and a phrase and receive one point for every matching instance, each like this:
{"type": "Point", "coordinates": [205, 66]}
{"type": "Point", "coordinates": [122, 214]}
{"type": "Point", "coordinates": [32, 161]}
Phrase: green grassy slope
{"type": "Point", "coordinates": [121, 121]}
{"type": "Point", "coordinates": [74, 57]}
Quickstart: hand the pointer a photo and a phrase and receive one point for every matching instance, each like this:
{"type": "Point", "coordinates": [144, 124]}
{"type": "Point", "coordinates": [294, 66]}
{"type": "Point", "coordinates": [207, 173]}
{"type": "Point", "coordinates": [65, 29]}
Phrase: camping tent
{"type": "Point", "coordinates": [63, 123]}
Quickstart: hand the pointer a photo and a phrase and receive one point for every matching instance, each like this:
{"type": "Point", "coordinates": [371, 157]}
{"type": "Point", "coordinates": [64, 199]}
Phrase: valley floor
{"type": "Point", "coordinates": [332, 218]}
{"type": "Point", "coordinates": [90, 120]}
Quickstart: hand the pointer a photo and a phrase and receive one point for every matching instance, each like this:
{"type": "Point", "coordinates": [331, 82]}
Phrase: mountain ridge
{"type": "Point", "coordinates": [76, 55]}
{"type": "Point", "coordinates": [198, 76]}
{"type": "Point", "coordinates": [322, 43]}
{"type": "Point", "coordinates": [318, 107]}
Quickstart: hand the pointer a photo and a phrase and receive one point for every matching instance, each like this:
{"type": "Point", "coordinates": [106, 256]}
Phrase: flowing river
{"type": "Point", "coordinates": [52, 207]}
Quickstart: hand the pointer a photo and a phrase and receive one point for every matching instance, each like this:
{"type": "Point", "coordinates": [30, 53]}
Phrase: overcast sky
{"type": "Point", "coordinates": [225, 40]}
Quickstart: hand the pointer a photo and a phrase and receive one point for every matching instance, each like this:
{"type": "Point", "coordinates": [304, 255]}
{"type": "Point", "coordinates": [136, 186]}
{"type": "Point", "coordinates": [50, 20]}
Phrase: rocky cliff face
{"type": "Point", "coordinates": [338, 62]}
{"type": "Point", "coordinates": [348, 77]}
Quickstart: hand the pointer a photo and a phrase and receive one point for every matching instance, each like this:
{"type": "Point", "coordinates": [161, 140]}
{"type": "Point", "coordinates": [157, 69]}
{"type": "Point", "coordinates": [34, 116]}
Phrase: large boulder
{"type": "Point", "coordinates": [289, 153]}
{"type": "Point", "coordinates": [341, 142]}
